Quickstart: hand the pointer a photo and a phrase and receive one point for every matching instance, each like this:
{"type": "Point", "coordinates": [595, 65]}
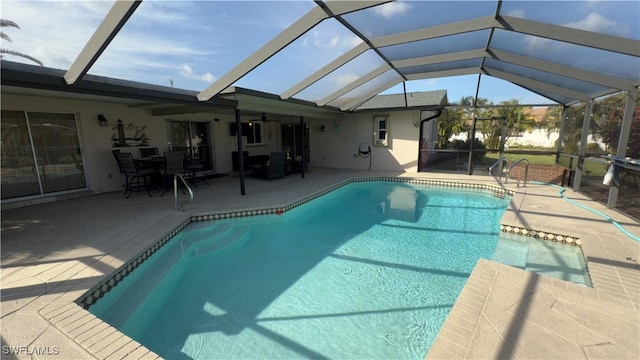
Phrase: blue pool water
{"type": "Point", "coordinates": [370, 270]}
{"type": "Point", "coordinates": [543, 257]}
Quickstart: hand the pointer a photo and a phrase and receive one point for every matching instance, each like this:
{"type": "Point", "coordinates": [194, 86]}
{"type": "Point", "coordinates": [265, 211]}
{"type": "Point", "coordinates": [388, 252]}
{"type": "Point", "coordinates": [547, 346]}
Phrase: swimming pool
{"type": "Point", "coordinates": [370, 270]}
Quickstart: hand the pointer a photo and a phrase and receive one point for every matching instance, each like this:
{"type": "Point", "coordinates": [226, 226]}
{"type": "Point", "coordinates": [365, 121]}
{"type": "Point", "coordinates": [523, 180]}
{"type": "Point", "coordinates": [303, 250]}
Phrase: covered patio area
{"type": "Point", "coordinates": [53, 253]}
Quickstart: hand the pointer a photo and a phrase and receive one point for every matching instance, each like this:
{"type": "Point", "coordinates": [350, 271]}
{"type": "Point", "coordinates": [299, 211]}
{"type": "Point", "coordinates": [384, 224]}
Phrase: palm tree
{"type": "Point", "coordinates": [518, 121]}
{"type": "Point", "coordinates": [4, 23]}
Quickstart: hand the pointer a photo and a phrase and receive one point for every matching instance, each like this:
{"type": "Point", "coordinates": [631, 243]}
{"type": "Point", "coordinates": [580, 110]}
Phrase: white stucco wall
{"type": "Point", "coordinates": [336, 146]}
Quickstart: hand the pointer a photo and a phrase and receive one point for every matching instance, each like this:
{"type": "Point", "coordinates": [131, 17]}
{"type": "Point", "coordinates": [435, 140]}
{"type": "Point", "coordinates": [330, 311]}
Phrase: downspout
{"type": "Point", "coordinates": [421, 133]}
{"type": "Point", "coordinates": [404, 89]}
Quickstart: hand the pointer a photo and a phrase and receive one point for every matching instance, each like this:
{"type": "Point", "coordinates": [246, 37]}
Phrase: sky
{"type": "Point", "coordinates": [191, 44]}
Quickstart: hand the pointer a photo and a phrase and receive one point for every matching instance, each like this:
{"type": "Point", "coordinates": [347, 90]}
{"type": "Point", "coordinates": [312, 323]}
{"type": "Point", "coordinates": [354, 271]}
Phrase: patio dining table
{"type": "Point", "coordinates": [158, 164]}
{"type": "Point", "coordinates": [154, 162]}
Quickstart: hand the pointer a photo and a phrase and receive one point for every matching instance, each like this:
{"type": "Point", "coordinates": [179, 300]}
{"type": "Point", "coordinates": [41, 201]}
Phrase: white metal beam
{"type": "Point", "coordinates": [435, 31]}
{"type": "Point", "coordinates": [294, 31]}
{"type": "Point", "coordinates": [546, 66]}
{"type": "Point", "coordinates": [550, 31]}
{"type": "Point", "coordinates": [434, 59]}
{"type": "Point", "coordinates": [522, 81]}
{"type": "Point", "coordinates": [325, 70]}
{"type": "Point", "coordinates": [106, 31]}
{"type": "Point", "coordinates": [359, 101]}
{"type": "Point", "coordinates": [570, 35]}
{"type": "Point", "coordinates": [344, 7]}
{"type": "Point", "coordinates": [564, 70]}
{"type": "Point", "coordinates": [444, 73]}
{"type": "Point", "coordinates": [360, 81]}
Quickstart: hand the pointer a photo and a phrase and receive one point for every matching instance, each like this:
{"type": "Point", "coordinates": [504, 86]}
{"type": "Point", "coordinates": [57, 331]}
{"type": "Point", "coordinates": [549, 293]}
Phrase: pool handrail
{"type": "Point", "coordinates": [492, 167]}
{"type": "Point", "coordinates": [526, 172]}
{"type": "Point", "coordinates": [175, 191]}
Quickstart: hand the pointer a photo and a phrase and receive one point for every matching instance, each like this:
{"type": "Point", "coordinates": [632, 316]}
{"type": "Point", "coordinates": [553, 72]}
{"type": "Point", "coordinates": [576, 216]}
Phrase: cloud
{"type": "Point", "coordinates": [517, 13]}
{"type": "Point", "coordinates": [595, 22]}
{"type": "Point", "coordinates": [187, 72]}
{"type": "Point", "coordinates": [345, 79]}
{"type": "Point", "coordinates": [391, 9]}
{"type": "Point", "coordinates": [323, 40]}
{"type": "Point", "coordinates": [55, 32]}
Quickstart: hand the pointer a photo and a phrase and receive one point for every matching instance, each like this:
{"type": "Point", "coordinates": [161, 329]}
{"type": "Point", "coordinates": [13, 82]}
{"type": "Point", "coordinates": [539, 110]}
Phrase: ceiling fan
{"type": "Point", "coordinates": [263, 118]}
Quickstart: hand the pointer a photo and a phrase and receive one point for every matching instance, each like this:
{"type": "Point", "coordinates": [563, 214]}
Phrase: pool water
{"type": "Point", "coordinates": [543, 257]}
{"type": "Point", "coordinates": [370, 270]}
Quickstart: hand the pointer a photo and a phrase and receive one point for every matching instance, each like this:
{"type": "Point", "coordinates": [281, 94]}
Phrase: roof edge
{"type": "Point", "coordinates": [44, 78]}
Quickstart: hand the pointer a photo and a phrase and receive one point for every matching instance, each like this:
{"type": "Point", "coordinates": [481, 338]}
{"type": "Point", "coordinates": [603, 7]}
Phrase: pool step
{"type": "Point", "coordinates": [511, 253]}
{"type": "Point", "coordinates": [208, 231]}
{"type": "Point", "coordinates": [163, 274]}
{"type": "Point", "coordinates": [231, 240]}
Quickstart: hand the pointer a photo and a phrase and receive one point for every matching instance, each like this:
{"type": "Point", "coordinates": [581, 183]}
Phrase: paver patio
{"type": "Point", "coordinates": [52, 253]}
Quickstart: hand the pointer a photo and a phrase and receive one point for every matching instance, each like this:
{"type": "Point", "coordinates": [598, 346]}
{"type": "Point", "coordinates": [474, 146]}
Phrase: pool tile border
{"type": "Point", "coordinates": [103, 287]}
{"type": "Point", "coordinates": [542, 235]}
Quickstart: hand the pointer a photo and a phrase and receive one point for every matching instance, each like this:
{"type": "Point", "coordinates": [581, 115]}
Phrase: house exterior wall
{"type": "Point", "coordinates": [332, 148]}
{"type": "Point", "coordinates": [100, 168]}
{"type": "Point", "coordinates": [336, 146]}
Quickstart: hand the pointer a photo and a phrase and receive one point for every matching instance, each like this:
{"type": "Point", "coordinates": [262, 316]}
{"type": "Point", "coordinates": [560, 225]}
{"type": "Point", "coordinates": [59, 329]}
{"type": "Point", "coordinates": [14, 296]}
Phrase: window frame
{"type": "Point", "coordinates": [251, 136]}
{"type": "Point", "coordinates": [381, 133]}
{"type": "Point", "coordinates": [37, 152]}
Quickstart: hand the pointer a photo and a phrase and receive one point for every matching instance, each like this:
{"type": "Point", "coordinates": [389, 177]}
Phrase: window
{"type": "Point", "coordinates": [40, 154]}
{"type": "Point", "coordinates": [380, 130]}
{"type": "Point", "coordinates": [254, 137]}
{"type": "Point", "coordinates": [193, 137]}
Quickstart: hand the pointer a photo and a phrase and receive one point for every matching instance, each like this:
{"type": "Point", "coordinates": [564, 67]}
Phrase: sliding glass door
{"type": "Point", "coordinates": [193, 137]}
{"type": "Point", "coordinates": [40, 154]}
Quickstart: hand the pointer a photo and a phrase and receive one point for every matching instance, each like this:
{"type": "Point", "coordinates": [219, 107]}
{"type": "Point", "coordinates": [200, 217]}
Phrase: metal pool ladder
{"type": "Point", "coordinates": [500, 166]}
{"type": "Point", "coordinates": [175, 191]}
{"type": "Point", "coordinates": [526, 172]}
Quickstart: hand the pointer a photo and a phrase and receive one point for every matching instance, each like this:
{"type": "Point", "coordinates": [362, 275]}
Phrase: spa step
{"type": "Point", "coordinates": [512, 253]}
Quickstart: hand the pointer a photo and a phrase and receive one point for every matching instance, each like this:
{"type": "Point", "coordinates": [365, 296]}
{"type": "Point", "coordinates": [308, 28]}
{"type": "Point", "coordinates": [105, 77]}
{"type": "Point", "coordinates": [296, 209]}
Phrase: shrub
{"type": "Point", "coordinates": [478, 148]}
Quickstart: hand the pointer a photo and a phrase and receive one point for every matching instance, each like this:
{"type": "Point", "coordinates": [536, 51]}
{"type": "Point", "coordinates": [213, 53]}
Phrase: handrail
{"type": "Point", "coordinates": [526, 172]}
{"type": "Point", "coordinates": [492, 167]}
{"type": "Point", "coordinates": [175, 191]}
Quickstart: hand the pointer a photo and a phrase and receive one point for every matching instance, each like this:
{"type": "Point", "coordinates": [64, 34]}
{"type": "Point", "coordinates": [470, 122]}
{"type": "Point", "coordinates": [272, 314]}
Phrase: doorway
{"type": "Point", "coordinates": [194, 138]}
{"type": "Point", "coordinates": [41, 154]}
{"type": "Point", "coordinates": [295, 138]}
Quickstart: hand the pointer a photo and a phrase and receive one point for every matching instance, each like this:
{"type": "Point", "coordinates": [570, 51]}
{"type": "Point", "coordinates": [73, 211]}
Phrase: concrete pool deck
{"type": "Point", "coordinates": [53, 253]}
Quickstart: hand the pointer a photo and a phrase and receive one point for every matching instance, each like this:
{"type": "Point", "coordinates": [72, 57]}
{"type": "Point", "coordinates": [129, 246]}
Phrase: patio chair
{"type": "Point", "coordinates": [197, 165]}
{"type": "Point", "coordinates": [274, 168]}
{"type": "Point", "coordinates": [149, 152]}
{"type": "Point", "coordinates": [175, 164]}
{"type": "Point", "coordinates": [135, 174]}
{"type": "Point", "coordinates": [121, 169]}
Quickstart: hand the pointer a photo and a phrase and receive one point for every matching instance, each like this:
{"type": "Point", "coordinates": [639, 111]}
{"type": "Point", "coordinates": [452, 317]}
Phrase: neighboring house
{"type": "Point", "coordinates": [58, 140]}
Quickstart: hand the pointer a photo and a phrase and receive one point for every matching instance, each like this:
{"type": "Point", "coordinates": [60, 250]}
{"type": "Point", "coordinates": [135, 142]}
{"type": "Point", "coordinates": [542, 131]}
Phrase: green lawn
{"type": "Point", "coordinates": [592, 168]}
